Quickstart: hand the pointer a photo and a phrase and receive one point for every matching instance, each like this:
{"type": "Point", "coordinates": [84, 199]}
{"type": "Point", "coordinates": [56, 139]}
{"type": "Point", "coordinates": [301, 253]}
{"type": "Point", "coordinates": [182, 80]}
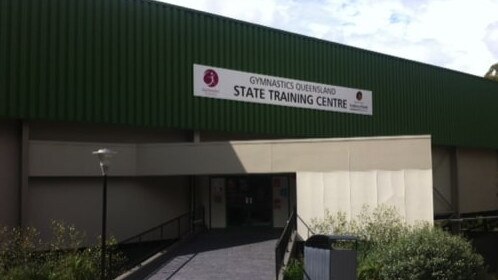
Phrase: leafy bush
{"type": "Point", "coordinates": [390, 249]}
{"type": "Point", "coordinates": [294, 270]}
{"type": "Point", "coordinates": [370, 267]}
{"type": "Point", "coordinates": [374, 228]}
{"type": "Point", "coordinates": [24, 256]}
{"type": "Point", "coordinates": [430, 253]}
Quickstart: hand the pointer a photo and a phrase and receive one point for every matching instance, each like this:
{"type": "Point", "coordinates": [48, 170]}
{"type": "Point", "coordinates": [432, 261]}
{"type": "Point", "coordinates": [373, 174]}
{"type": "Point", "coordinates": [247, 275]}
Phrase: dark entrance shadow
{"type": "Point", "coordinates": [217, 239]}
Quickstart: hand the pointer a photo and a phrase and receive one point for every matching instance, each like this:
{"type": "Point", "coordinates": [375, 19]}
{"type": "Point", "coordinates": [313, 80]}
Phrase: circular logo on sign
{"type": "Point", "coordinates": [359, 96]}
{"type": "Point", "coordinates": [210, 78]}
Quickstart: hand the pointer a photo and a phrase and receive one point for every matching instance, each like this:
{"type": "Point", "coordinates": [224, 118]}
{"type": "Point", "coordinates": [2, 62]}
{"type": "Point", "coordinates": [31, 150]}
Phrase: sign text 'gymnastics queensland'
{"type": "Point", "coordinates": [220, 83]}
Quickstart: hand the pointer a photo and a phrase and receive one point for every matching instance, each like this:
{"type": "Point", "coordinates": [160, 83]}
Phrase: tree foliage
{"type": "Point", "coordinates": [492, 73]}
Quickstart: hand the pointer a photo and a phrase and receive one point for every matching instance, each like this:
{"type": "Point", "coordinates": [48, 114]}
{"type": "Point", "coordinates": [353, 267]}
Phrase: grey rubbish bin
{"type": "Point", "coordinates": [324, 262]}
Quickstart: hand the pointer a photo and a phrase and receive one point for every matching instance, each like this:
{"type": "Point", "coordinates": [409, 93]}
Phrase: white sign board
{"type": "Point", "coordinates": [220, 83]}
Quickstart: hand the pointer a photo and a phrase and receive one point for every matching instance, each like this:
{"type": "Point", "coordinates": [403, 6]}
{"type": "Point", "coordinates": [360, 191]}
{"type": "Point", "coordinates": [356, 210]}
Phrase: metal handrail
{"type": "Point", "coordinates": [459, 225]}
{"type": "Point", "coordinates": [283, 242]}
{"type": "Point", "coordinates": [190, 217]}
{"type": "Point", "coordinates": [307, 227]}
{"type": "Point", "coordinates": [459, 220]}
{"type": "Point", "coordinates": [140, 235]}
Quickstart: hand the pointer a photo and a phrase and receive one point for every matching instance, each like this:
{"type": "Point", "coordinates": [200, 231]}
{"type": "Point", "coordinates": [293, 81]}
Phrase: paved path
{"type": "Point", "coordinates": [233, 254]}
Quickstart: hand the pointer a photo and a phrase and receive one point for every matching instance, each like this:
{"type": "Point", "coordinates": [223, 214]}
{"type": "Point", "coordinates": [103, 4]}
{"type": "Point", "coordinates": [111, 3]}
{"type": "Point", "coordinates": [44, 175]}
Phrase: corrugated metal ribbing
{"type": "Point", "coordinates": [130, 62]}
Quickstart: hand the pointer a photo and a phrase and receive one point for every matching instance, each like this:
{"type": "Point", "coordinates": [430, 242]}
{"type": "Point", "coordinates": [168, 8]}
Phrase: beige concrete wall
{"type": "Point", "coordinates": [477, 180]}
{"type": "Point", "coordinates": [396, 172]}
{"type": "Point", "coordinates": [66, 159]}
{"type": "Point", "coordinates": [10, 157]}
{"type": "Point", "coordinates": [441, 173]}
{"type": "Point", "coordinates": [49, 158]}
{"type": "Point", "coordinates": [361, 163]}
{"type": "Point", "coordinates": [134, 204]}
{"type": "Point", "coordinates": [409, 191]}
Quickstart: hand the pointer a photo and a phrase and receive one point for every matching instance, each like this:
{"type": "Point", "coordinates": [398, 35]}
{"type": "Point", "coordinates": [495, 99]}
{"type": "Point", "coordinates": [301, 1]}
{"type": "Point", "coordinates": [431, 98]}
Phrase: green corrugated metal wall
{"type": "Point", "coordinates": [130, 62]}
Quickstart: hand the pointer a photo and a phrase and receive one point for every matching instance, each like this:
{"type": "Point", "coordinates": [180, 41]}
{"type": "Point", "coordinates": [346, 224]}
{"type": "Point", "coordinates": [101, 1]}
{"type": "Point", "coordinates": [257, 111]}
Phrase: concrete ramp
{"type": "Point", "coordinates": [242, 253]}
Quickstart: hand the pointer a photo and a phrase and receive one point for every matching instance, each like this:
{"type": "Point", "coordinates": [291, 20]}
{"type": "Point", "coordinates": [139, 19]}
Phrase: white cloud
{"type": "Point", "coordinates": [491, 38]}
{"type": "Point", "coordinates": [263, 12]}
{"type": "Point", "coordinates": [457, 34]}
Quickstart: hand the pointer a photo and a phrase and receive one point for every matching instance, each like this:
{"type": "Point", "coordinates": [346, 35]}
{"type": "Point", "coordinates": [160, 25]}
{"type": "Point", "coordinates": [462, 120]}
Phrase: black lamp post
{"type": "Point", "coordinates": [104, 156]}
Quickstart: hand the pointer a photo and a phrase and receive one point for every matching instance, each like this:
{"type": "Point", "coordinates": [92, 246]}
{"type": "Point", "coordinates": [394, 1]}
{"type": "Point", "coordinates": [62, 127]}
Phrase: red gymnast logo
{"type": "Point", "coordinates": [359, 96]}
{"type": "Point", "coordinates": [210, 78]}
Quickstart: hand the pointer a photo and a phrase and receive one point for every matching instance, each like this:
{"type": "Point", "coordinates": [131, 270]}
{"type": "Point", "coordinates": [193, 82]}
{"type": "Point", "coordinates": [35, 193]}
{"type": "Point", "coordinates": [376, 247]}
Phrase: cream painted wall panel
{"type": "Point", "coordinates": [385, 154]}
{"type": "Point", "coordinates": [153, 159]}
{"type": "Point", "coordinates": [76, 159]}
{"type": "Point", "coordinates": [315, 188]}
{"type": "Point", "coordinates": [410, 191]}
{"type": "Point", "coordinates": [477, 180]}
{"type": "Point", "coordinates": [337, 192]}
{"type": "Point", "coordinates": [363, 190]}
{"type": "Point", "coordinates": [213, 158]}
{"type": "Point", "coordinates": [391, 189]}
{"type": "Point", "coordinates": [134, 205]}
{"type": "Point", "coordinates": [256, 157]}
{"type": "Point", "coordinates": [310, 156]}
{"type": "Point", "coordinates": [309, 201]}
{"type": "Point", "coordinates": [147, 202]}
{"type": "Point", "coordinates": [418, 196]}
{"type": "Point", "coordinates": [269, 156]}
{"type": "Point", "coordinates": [245, 157]}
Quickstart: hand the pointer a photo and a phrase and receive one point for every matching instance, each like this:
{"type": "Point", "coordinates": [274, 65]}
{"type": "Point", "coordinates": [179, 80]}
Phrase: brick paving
{"type": "Point", "coordinates": [231, 254]}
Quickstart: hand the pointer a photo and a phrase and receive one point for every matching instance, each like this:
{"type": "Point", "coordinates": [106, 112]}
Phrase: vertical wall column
{"type": "Point", "coordinates": [455, 193]}
{"type": "Point", "coordinates": [455, 190]}
{"type": "Point", "coordinates": [203, 194]}
{"type": "Point", "coordinates": [24, 186]}
{"type": "Point", "coordinates": [10, 164]}
{"type": "Point", "coordinates": [196, 138]}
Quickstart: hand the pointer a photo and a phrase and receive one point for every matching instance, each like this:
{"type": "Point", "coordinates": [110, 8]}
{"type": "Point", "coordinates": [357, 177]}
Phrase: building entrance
{"type": "Point", "coordinates": [249, 200]}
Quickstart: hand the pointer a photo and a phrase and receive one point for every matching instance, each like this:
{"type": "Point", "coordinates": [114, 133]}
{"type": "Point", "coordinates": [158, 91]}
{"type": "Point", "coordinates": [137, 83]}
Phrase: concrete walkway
{"type": "Point", "coordinates": [246, 253]}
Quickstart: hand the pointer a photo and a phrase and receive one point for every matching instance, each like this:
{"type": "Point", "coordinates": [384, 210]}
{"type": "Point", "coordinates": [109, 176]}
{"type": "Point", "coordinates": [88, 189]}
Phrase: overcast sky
{"type": "Point", "coordinates": [456, 34]}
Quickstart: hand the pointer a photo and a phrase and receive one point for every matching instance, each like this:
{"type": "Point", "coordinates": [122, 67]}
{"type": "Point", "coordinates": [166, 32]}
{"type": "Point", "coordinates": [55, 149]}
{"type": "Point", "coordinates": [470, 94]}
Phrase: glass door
{"type": "Point", "coordinates": [249, 200]}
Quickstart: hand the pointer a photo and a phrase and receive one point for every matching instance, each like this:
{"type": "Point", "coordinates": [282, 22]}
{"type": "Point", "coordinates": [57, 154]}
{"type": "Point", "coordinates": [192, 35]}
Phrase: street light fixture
{"type": "Point", "coordinates": [104, 156]}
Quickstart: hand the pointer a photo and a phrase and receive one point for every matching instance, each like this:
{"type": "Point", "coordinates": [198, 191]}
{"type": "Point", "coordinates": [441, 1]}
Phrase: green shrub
{"type": "Point", "coordinates": [390, 249]}
{"type": "Point", "coordinates": [374, 228]}
{"type": "Point", "coordinates": [24, 256]}
{"type": "Point", "coordinates": [294, 270]}
{"type": "Point", "coordinates": [76, 266]}
{"type": "Point", "coordinates": [430, 253]}
{"type": "Point", "coordinates": [369, 267]}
